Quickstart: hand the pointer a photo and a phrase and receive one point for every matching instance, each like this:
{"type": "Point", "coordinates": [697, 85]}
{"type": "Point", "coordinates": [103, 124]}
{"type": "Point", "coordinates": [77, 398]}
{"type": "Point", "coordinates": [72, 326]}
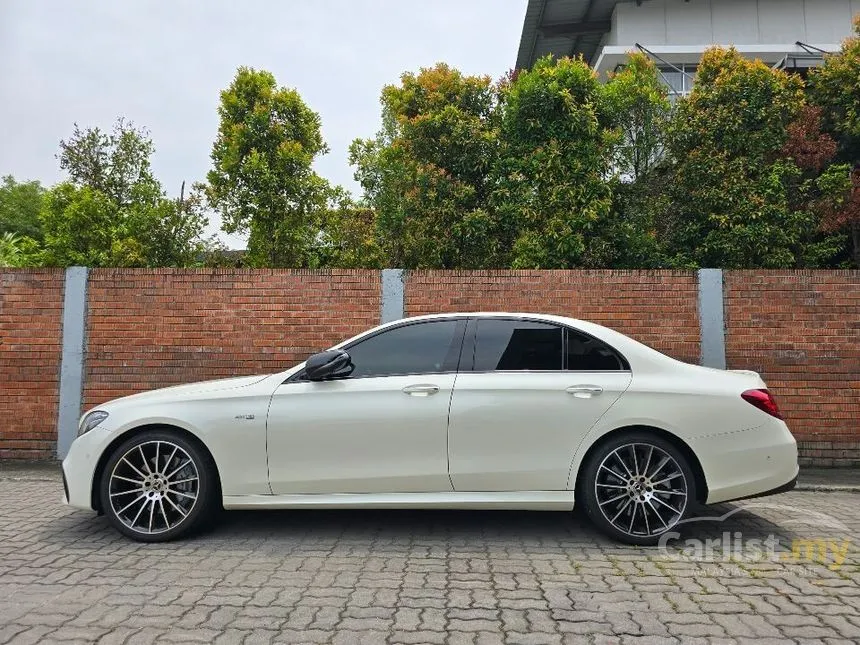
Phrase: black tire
{"type": "Point", "coordinates": [647, 504]}
{"type": "Point", "coordinates": [150, 457]}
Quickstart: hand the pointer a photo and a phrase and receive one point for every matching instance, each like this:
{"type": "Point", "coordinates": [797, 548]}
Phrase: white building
{"type": "Point", "coordinates": [791, 34]}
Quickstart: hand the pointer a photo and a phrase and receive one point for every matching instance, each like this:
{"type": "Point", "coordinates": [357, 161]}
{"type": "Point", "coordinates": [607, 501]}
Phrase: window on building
{"type": "Point", "coordinates": [679, 79]}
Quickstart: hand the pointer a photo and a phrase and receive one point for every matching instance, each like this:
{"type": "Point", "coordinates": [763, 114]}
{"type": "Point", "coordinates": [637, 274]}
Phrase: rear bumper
{"type": "Point", "coordinates": [749, 463]}
{"type": "Point", "coordinates": [773, 491]}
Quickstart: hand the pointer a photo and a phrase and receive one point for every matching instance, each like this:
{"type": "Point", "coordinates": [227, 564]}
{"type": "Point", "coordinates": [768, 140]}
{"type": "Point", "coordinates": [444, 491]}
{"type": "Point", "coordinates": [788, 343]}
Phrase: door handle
{"type": "Point", "coordinates": [422, 389]}
{"type": "Point", "coordinates": [584, 391]}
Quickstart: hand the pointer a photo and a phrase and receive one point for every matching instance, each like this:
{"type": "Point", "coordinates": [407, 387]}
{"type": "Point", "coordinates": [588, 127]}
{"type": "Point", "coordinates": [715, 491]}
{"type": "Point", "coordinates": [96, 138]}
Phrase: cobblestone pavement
{"type": "Point", "coordinates": [427, 577]}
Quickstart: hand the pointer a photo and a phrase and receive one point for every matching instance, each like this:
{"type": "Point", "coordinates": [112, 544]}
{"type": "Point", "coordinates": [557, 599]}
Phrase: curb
{"type": "Point", "coordinates": [30, 470]}
{"type": "Point", "coordinates": [828, 488]}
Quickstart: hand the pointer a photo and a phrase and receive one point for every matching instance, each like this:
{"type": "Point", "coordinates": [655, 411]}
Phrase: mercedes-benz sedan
{"type": "Point", "coordinates": [476, 411]}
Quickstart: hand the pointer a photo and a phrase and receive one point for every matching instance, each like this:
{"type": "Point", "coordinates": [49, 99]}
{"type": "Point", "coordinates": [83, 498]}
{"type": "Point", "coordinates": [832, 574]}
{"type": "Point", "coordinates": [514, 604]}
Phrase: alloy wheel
{"type": "Point", "coordinates": [641, 489]}
{"type": "Point", "coordinates": [154, 487]}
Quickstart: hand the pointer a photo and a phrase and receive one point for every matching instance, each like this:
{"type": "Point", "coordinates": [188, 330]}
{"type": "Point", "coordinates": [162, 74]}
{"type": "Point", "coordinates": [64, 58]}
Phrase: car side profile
{"type": "Point", "coordinates": [476, 411]}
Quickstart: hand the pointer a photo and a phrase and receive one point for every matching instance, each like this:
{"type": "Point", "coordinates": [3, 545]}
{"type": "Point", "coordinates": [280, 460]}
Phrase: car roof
{"type": "Point", "coordinates": [605, 333]}
{"type": "Point", "coordinates": [490, 314]}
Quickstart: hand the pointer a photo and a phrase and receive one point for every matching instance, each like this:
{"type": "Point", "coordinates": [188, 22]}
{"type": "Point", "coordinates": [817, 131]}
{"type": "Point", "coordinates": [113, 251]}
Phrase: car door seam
{"type": "Point", "coordinates": [448, 432]}
{"type": "Point", "coordinates": [594, 425]}
{"type": "Point", "coordinates": [268, 458]}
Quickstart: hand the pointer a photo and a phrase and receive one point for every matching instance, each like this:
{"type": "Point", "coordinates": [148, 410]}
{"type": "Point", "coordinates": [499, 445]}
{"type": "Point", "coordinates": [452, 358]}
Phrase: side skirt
{"type": "Point", "coordinates": [508, 500]}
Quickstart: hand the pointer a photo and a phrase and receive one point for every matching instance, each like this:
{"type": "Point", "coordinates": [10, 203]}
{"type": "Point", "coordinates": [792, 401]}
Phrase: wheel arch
{"type": "Point", "coordinates": [675, 440]}
{"type": "Point", "coordinates": [95, 498]}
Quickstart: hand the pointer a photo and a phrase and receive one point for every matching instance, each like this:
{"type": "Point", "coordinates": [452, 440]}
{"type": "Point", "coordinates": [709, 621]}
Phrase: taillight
{"type": "Point", "coordinates": [763, 400]}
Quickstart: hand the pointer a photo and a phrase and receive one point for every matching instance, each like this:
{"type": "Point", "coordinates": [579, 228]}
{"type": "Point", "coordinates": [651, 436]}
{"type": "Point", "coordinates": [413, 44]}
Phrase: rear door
{"type": "Point", "coordinates": [527, 393]}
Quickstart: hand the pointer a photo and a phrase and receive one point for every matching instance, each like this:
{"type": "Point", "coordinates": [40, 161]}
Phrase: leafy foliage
{"type": "Point", "coordinates": [427, 174]}
{"type": "Point", "coordinates": [116, 164]}
{"type": "Point", "coordinates": [835, 86]}
{"type": "Point", "coordinates": [735, 200]}
{"type": "Point", "coordinates": [544, 168]}
{"type": "Point", "coordinates": [112, 211]}
{"type": "Point", "coordinates": [20, 203]}
{"type": "Point", "coordinates": [262, 181]}
{"type": "Point", "coordinates": [555, 157]}
{"type": "Point", "coordinates": [638, 107]}
{"type": "Point", "coordinates": [466, 173]}
{"type": "Point", "coordinates": [348, 235]}
{"type": "Point", "coordinates": [11, 252]}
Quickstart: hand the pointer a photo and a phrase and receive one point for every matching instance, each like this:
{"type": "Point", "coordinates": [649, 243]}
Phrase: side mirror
{"type": "Point", "coordinates": [331, 364]}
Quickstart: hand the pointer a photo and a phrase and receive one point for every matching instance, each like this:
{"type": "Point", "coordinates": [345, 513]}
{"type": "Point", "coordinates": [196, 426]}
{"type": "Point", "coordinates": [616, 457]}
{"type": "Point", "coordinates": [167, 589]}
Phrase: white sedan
{"type": "Point", "coordinates": [476, 411]}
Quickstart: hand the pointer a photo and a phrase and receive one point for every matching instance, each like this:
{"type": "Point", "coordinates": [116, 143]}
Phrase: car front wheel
{"type": "Point", "coordinates": [637, 486]}
{"type": "Point", "coordinates": [158, 486]}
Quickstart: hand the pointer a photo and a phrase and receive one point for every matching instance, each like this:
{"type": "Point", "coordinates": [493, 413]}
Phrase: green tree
{"type": "Point", "coordinates": [84, 227]}
{"type": "Point", "coordinates": [116, 164]}
{"type": "Point", "coordinates": [112, 211]}
{"type": "Point", "coordinates": [555, 157]}
{"type": "Point", "coordinates": [262, 180]}
{"type": "Point", "coordinates": [819, 189]}
{"type": "Point", "coordinates": [11, 252]}
{"type": "Point", "coordinates": [638, 110]}
{"type": "Point", "coordinates": [735, 199]}
{"type": "Point", "coordinates": [638, 107]}
{"type": "Point", "coordinates": [20, 203]}
{"type": "Point", "coordinates": [835, 87]}
{"type": "Point", "coordinates": [348, 236]}
{"type": "Point", "coordinates": [174, 230]}
{"type": "Point", "coordinates": [427, 174]}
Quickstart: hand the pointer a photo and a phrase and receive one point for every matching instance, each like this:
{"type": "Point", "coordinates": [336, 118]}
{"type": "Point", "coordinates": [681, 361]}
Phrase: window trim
{"type": "Point", "coordinates": [472, 339]}
{"type": "Point", "coordinates": [451, 363]}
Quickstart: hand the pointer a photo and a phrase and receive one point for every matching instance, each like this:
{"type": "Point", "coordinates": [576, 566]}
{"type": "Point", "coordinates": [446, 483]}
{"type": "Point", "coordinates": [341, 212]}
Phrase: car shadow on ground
{"type": "Point", "coordinates": [549, 530]}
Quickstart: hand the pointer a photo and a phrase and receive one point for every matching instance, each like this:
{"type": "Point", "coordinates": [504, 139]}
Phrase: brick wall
{"type": "Point", "coordinates": [801, 331]}
{"type": "Point", "coordinates": [31, 319]}
{"type": "Point", "coordinates": [658, 308]}
{"type": "Point", "coordinates": [159, 327]}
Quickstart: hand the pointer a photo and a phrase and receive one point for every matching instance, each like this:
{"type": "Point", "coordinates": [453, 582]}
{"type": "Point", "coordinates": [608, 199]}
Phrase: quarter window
{"type": "Point", "coordinates": [514, 345]}
{"type": "Point", "coordinates": [420, 348]}
{"type": "Point", "coordinates": [585, 353]}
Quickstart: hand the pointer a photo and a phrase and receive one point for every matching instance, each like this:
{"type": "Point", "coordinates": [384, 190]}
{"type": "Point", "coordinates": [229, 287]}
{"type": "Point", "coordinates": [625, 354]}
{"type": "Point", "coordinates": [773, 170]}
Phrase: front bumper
{"type": "Point", "coordinates": [79, 467]}
{"type": "Point", "coordinates": [65, 488]}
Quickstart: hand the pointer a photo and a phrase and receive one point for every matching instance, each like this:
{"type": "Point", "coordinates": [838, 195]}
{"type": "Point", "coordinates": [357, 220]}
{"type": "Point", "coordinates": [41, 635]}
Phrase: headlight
{"type": "Point", "coordinates": [91, 420]}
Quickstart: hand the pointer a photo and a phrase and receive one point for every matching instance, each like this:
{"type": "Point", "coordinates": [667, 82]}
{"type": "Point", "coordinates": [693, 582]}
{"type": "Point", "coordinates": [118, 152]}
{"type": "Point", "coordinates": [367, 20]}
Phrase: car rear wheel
{"type": "Point", "coordinates": [637, 486]}
{"type": "Point", "coordinates": [158, 486]}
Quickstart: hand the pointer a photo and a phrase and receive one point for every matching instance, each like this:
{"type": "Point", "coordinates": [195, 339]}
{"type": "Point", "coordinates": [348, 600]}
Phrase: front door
{"type": "Point", "coordinates": [381, 430]}
{"type": "Point", "coordinates": [532, 393]}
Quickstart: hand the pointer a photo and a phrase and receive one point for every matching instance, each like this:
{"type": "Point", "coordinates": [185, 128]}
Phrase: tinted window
{"type": "Point", "coordinates": [587, 353]}
{"type": "Point", "coordinates": [517, 345]}
{"type": "Point", "coordinates": [413, 349]}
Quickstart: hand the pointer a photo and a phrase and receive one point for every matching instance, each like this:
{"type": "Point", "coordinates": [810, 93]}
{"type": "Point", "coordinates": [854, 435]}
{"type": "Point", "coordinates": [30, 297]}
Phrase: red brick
{"type": "Point", "coordinates": [31, 320]}
{"type": "Point", "coordinates": [149, 328]}
{"type": "Point", "coordinates": [800, 330]}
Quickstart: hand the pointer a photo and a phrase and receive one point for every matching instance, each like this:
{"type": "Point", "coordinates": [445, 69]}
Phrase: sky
{"type": "Point", "coordinates": [162, 65]}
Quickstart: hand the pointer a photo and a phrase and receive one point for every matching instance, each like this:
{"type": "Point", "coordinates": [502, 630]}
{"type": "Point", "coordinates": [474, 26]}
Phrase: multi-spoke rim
{"type": "Point", "coordinates": [154, 487]}
{"type": "Point", "coordinates": [640, 489]}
